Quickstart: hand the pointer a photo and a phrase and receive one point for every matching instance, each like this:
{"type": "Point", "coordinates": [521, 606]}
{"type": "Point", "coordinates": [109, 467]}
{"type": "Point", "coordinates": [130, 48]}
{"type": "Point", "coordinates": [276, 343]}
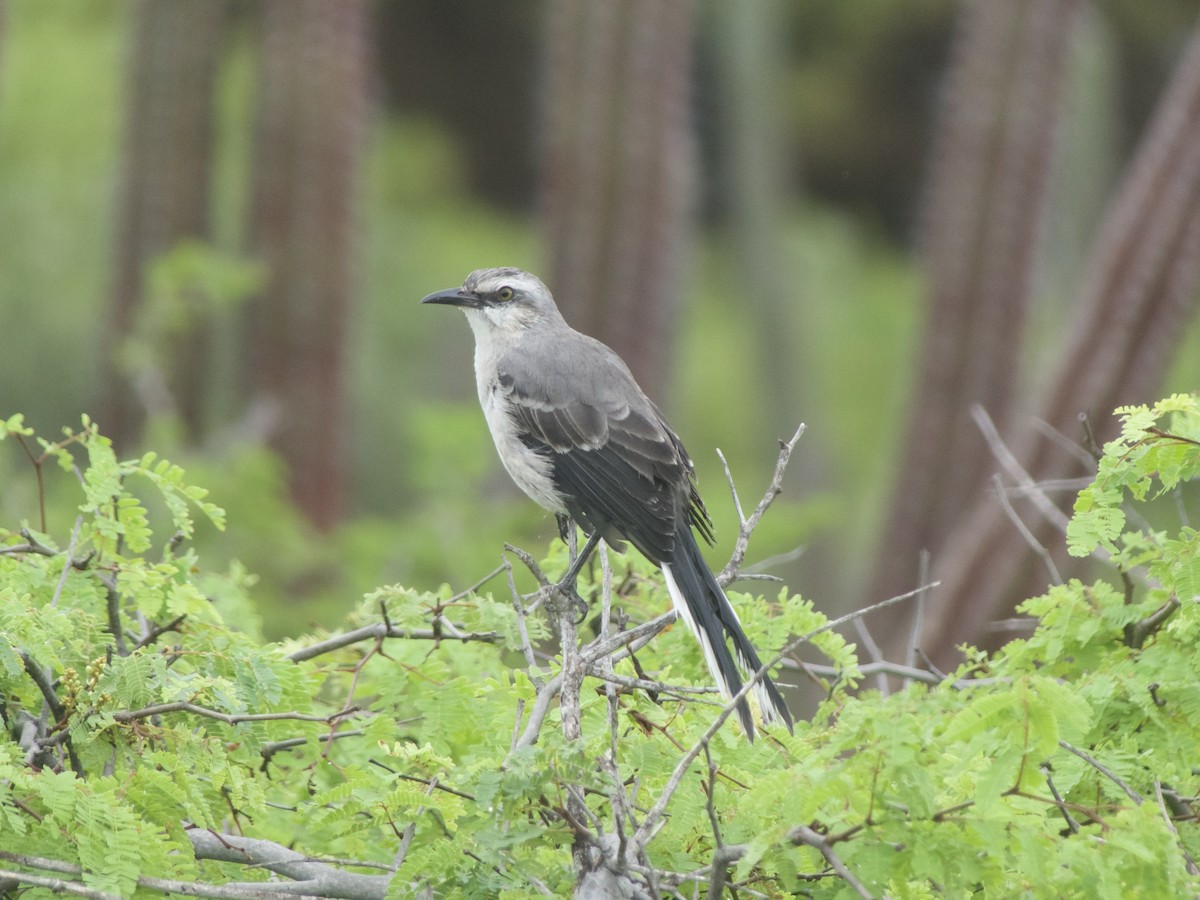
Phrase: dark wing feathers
{"type": "Point", "coordinates": [606, 494]}
{"type": "Point", "coordinates": [621, 469]}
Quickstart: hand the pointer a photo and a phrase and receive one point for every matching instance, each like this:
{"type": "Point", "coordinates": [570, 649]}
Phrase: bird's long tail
{"type": "Point", "coordinates": [701, 603]}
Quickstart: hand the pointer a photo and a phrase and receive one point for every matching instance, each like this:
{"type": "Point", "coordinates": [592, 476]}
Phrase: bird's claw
{"type": "Point", "coordinates": [581, 607]}
{"type": "Point", "coordinates": [565, 600]}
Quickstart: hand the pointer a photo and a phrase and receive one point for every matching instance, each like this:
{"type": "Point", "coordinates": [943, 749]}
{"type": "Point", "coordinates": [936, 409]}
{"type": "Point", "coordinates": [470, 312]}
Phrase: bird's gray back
{"type": "Point", "coordinates": [571, 371]}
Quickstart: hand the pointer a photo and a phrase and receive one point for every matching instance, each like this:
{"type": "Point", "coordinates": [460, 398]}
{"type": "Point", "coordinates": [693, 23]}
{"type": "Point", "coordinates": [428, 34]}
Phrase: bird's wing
{"type": "Point", "coordinates": [621, 469]}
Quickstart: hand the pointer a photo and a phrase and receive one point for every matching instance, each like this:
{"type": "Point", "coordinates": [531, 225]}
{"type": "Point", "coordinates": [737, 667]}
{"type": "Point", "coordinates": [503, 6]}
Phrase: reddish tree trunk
{"type": "Point", "coordinates": [164, 199]}
{"type": "Point", "coordinates": [984, 215]}
{"type": "Point", "coordinates": [312, 117]}
{"type": "Point", "coordinates": [1139, 292]}
{"type": "Point", "coordinates": [617, 171]}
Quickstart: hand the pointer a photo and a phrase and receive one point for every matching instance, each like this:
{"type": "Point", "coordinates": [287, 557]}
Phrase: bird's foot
{"type": "Point", "coordinates": [565, 588]}
{"type": "Point", "coordinates": [564, 527]}
{"type": "Point", "coordinates": [562, 599]}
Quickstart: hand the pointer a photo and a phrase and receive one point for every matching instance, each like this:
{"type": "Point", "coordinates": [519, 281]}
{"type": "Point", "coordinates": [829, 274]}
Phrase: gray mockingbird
{"type": "Point", "coordinates": [578, 436]}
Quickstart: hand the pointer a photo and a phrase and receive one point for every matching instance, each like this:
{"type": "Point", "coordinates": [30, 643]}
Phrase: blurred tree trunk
{"type": "Point", "coordinates": [312, 117]}
{"type": "Point", "coordinates": [617, 171]}
{"type": "Point", "coordinates": [747, 53]}
{"type": "Point", "coordinates": [983, 217]}
{"type": "Point", "coordinates": [1138, 294]}
{"type": "Point", "coordinates": [164, 198]}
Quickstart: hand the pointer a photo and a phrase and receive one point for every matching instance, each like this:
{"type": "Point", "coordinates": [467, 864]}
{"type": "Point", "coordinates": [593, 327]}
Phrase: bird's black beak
{"type": "Point", "coordinates": [454, 297]}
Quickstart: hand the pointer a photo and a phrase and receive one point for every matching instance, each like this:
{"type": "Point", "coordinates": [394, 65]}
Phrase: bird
{"type": "Point", "coordinates": [578, 435]}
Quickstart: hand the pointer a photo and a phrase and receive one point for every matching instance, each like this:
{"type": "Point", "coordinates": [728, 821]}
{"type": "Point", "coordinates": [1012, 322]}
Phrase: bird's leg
{"type": "Point", "coordinates": [566, 584]}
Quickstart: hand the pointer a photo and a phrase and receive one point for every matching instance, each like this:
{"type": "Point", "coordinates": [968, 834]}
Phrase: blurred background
{"type": "Point", "coordinates": [217, 218]}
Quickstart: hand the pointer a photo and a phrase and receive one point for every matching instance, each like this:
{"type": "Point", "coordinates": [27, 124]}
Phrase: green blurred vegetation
{"type": "Point", "coordinates": [430, 503]}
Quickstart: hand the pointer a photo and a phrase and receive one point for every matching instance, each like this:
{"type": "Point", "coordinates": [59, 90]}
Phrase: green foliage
{"type": "Point", "coordinates": [136, 717]}
{"type": "Point", "coordinates": [1155, 451]}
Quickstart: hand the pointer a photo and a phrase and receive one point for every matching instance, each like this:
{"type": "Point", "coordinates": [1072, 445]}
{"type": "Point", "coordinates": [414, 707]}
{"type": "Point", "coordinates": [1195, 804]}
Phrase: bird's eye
{"type": "Point", "coordinates": [505, 293]}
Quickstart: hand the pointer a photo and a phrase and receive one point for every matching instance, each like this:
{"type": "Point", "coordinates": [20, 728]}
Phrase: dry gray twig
{"type": "Point", "coordinates": [802, 834]}
{"type": "Point", "coordinates": [747, 525]}
{"type": "Point", "coordinates": [378, 630]}
{"type": "Point", "coordinates": [1104, 770]}
{"type": "Point", "coordinates": [1030, 539]}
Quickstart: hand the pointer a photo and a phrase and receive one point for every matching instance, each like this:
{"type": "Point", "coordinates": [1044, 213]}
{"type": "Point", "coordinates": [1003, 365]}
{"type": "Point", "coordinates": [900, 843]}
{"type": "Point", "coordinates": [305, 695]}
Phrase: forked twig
{"type": "Point", "coordinates": [746, 525]}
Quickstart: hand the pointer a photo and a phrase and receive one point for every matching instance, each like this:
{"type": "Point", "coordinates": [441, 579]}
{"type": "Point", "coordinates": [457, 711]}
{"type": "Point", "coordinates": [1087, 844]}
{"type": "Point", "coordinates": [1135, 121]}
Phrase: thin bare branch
{"type": "Point", "coordinates": [270, 749]}
{"type": "Point", "coordinates": [1104, 770]}
{"type": "Point", "coordinates": [1072, 448]}
{"type": "Point", "coordinates": [866, 669]}
{"type": "Point", "coordinates": [1034, 544]}
{"type": "Point", "coordinates": [1189, 863]}
{"type": "Point", "coordinates": [603, 671]}
{"type": "Point", "coordinates": [918, 619]}
{"type": "Point", "coordinates": [269, 891]}
{"type": "Point", "coordinates": [545, 696]}
{"type": "Point", "coordinates": [379, 630]}
{"type": "Point", "coordinates": [57, 885]}
{"type": "Point", "coordinates": [875, 654]}
{"type": "Point", "coordinates": [1030, 488]}
{"type": "Point", "coordinates": [468, 591]}
{"type": "Point", "coordinates": [68, 562]}
{"type": "Point", "coordinates": [522, 629]}
{"type": "Point", "coordinates": [727, 575]}
{"type": "Point", "coordinates": [802, 834]}
{"type": "Point", "coordinates": [228, 718]}
{"type": "Point", "coordinates": [410, 831]}
{"type": "Point", "coordinates": [1008, 461]}
{"type": "Point", "coordinates": [1058, 801]}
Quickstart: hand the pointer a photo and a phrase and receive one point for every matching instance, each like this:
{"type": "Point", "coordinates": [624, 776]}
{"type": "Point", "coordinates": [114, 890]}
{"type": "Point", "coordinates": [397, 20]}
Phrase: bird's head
{"type": "Point", "coordinates": [501, 299]}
